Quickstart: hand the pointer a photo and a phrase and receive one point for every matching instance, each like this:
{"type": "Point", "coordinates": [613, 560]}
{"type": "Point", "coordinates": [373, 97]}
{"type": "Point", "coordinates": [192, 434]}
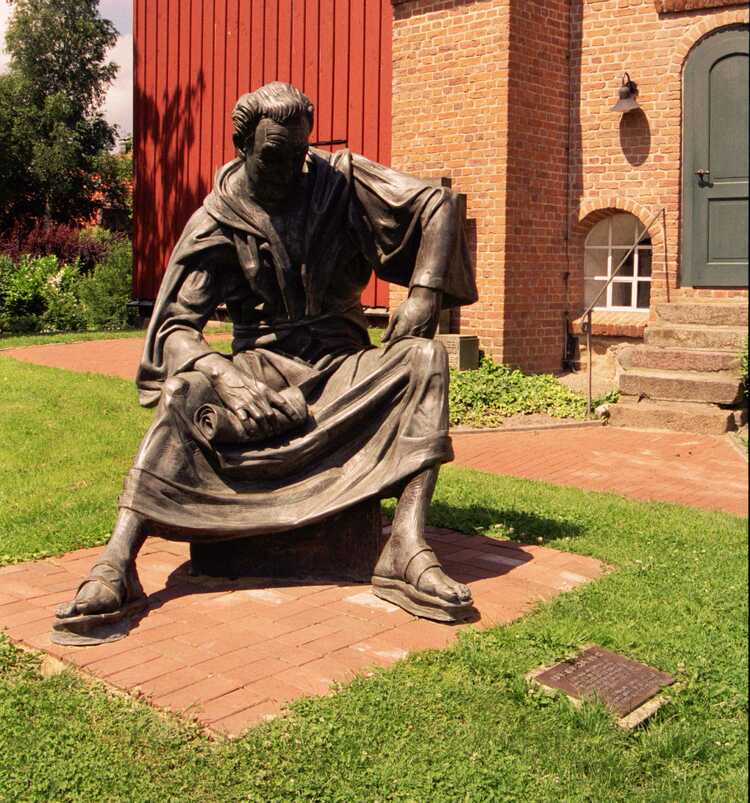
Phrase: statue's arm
{"type": "Point", "coordinates": [419, 314]}
{"type": "Point", "coordinates": [413, 231]}
{"type": "Point", "coordinates": [185, 348]}
{"type": "Point", "coordinates": [193, 305]}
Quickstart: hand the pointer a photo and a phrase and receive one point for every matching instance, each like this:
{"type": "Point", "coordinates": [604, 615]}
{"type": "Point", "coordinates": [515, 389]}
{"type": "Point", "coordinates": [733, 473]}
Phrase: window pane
{"type": "Point", "coordinates": [644, 261]}
{"type": "Point", "coordinates": [595, 262]}
{"type": "Point", "coordinates": [644, 294]}
{"type": "Point", "coordinates": [622, 294]}
{"type": "Point", "coordinates": [623, 229]}
{"type": "Point", "coordinates": [618, 254]}
{"type": "Point", "coordinates": [591, 288]}
{"type": "Point", "coordinates": [599, 235]}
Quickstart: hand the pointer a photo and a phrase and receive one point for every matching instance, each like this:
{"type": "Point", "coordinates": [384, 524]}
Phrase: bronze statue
{"type": "Point", "coordinates": [307, 418]}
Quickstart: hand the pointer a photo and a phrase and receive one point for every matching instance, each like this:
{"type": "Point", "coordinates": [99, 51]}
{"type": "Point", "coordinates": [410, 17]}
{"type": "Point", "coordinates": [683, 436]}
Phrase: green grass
{"type": "Point", "coordinates": [17, 341]}
{"type": "Point", "coordinates": [459, 724]}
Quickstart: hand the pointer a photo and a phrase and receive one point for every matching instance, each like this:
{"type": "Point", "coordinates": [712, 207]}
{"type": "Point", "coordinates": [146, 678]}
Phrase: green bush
{"type": "Point", "coordinates": [485, 396]}
{"type": "Point", "coordinates": [105, 292]}
{"type": "Point", "coordinates": [743, 365]}
{"type": "Point", "coordinates": [25, 291]}
{"type": "Point", "coordinates": [42, 294]}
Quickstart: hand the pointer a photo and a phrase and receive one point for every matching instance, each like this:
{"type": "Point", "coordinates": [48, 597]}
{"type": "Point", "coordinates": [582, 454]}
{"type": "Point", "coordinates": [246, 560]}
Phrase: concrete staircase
{"type": "Point", "coordinates": [685, 376]}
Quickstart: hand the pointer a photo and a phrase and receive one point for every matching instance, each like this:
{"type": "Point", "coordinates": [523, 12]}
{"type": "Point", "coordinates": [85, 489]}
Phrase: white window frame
{"type": "Point", "coordinates": [633, 280]}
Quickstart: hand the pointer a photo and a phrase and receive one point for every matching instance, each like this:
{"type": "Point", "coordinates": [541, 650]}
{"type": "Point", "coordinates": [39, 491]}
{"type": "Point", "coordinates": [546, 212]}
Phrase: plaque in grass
{"type": "Point", "coordinates": [626, 687]}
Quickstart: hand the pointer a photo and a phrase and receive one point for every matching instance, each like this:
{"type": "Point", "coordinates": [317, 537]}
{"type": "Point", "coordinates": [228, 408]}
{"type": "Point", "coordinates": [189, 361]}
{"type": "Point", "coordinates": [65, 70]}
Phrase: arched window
{"type": "Point", "coordinates": [606, 246]}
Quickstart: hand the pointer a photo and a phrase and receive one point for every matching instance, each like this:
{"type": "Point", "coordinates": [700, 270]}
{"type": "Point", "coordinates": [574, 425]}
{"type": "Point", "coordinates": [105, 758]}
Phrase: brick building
{"type": "Point", "coordinates": [512, 101]}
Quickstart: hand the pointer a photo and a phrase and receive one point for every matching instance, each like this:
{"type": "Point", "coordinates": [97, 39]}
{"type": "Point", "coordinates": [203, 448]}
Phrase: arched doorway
{"type": "Point", "coordinates": [715, 162]}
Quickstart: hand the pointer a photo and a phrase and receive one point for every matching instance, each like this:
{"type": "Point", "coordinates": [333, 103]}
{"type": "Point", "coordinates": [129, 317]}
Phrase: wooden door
{"type": "Point", "coordinates": [715, 162]}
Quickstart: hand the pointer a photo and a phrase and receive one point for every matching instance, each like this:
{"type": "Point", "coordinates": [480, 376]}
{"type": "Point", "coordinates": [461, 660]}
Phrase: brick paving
{"type": "Point", "coordinates": [232, 653]}
{"type": "Point", "coordinates": [110, 357]}
{"type": "Point", "coordinates": [703, 471]}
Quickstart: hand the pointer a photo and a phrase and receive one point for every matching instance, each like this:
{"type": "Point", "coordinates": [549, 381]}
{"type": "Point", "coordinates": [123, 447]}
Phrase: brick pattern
{"type": "Point", "coordinates": [633, 163]}
{"type": "Point", "coordinates": [703, 471]}
{"type": "Point", "coordinates": [613, 324]}
{"type": "Point", "coordinates": [450, 118]}
{"type": "Point", "coordinates": [493, 94]}
{"type": "Point", "coordinates": [231, 654]}
{"type": "Point", "coordinates": [673, 6]}
{"type": "Point", "coordinates": [536, 265]}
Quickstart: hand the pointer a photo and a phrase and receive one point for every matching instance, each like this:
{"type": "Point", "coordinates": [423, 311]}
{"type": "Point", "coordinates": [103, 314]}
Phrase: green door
{"type": "Point", "coordinates": [715, 162]}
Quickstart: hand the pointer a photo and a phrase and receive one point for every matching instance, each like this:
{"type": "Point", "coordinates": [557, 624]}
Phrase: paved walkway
{"type": "Point", "coordinates": [111, 357]}
{"type": "Point", "coordinates": [233, 653]}
{"type": "Point", "coordinates": [703, 471]}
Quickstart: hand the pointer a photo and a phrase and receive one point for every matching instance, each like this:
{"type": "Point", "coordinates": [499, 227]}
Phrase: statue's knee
{"type": "Point", "coordinates": [432, 354]}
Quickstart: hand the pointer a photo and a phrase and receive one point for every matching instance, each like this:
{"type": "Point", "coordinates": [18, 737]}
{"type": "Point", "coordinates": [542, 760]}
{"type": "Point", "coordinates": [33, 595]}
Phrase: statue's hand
{"type": "Point", "coordinates": [252, 401]}
{"type": "Point", "coordinates": [417, 316]}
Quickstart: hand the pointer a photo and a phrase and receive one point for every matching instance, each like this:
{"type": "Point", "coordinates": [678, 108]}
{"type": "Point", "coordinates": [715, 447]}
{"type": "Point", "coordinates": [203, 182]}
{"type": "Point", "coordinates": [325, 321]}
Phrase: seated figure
{"type": "Point", "coordinates": [306, 418]}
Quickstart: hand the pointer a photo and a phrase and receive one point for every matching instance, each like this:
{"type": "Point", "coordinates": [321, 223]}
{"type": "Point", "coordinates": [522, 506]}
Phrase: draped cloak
{"type": "Point", "coordinates": [376, 415]}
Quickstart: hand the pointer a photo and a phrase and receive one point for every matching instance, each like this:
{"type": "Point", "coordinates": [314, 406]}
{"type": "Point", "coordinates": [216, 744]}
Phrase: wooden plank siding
{"type": "Point", "coordinates": [193, 58]}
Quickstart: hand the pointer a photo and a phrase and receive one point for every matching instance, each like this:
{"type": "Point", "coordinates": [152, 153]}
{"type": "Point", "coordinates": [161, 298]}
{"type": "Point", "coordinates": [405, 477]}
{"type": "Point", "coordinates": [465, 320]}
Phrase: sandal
{"type": "Point", "coordinates": [406, 594]}
{"type": "Point", "coordinates": [83, 629]}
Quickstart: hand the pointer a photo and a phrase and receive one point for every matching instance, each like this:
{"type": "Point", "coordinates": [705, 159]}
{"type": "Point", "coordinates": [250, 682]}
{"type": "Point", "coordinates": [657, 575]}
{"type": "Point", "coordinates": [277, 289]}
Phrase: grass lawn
{"type": "Point", "coordinates": [459, 724]}
{"type": "Point", "coordinates": [16, 341]}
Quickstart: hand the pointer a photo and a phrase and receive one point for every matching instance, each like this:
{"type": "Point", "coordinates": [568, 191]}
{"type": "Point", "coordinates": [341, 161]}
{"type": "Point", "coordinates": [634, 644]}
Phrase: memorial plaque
{"type": "Point", "coordinates": [621, 684]}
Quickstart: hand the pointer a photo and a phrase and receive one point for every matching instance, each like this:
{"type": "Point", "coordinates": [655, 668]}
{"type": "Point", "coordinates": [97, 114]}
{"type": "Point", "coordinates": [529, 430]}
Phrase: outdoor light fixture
{"type": "Point", "coordinates": [627, 92]}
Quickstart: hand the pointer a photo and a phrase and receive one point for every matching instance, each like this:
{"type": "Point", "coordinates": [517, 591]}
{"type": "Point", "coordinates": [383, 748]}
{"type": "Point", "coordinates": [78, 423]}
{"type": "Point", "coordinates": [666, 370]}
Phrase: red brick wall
{"type": "Point", "coordinates": [484, 92]}
{"type": "Point", "coordinates": [535, 264]}
{"type": "Point", "coordinates": [450, 85]}
{"type": "Point", "coordinates": [633, 162]}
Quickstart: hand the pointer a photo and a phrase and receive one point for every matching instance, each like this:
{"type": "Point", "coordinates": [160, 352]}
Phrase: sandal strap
{"type": "Point", "coordinates": [418, 564]}
{"type": "Point", "coordinates": [120, 593]}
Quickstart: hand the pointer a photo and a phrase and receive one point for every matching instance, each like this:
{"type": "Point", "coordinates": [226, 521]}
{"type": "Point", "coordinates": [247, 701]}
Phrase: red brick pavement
{"type": "Point", "coordinates": [232, 653]}
{"type": "Point", "coordinates": [111, 357]}
{"type": "Point", "coordinates": [703, 471]}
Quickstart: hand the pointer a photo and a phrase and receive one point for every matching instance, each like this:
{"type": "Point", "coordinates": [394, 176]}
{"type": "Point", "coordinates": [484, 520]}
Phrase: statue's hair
{"type": "Point", "coordinates": [278, 101]}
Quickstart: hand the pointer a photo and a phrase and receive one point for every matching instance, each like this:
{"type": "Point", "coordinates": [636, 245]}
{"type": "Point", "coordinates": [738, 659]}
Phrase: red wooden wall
{"type": "Point", "coordinates": [193, 58]}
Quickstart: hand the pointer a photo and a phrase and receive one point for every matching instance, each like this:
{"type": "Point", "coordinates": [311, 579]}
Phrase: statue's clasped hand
{"type": "Point", "coordinates": [261, 410]}
{"type": "Point", "coordinates": [417, 316]}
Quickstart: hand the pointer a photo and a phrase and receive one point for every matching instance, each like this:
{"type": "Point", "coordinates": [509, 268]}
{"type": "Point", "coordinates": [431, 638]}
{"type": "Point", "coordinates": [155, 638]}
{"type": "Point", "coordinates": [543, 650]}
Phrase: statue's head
{"type": "Point", "coordinates": [271, 130]}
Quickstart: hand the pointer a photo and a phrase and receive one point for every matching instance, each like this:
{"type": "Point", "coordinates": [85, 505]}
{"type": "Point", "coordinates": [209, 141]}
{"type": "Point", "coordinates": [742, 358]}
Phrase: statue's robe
{"type": "Point", "coordinates": [377, 415]}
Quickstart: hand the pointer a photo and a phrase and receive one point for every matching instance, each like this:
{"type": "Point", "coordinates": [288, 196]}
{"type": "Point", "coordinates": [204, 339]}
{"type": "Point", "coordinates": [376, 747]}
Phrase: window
{"type": "Point", "coordinates": [606, 246]}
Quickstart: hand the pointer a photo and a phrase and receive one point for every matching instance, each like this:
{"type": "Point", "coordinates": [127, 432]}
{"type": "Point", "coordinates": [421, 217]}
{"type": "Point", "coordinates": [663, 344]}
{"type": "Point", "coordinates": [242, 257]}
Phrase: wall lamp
{"type": "Point", "coordinates": [627, 93]}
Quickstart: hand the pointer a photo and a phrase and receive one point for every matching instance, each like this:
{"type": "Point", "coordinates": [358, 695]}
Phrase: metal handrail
{"type": "Point", "coordinates": [586, 324]}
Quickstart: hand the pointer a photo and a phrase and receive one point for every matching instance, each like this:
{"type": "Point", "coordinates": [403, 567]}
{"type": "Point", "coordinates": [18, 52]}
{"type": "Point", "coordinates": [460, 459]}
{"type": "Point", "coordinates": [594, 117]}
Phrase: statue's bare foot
{"type": "Point", "coordinates": [106, 590]}
{"type": "Point", "coordinates": [410, 575]}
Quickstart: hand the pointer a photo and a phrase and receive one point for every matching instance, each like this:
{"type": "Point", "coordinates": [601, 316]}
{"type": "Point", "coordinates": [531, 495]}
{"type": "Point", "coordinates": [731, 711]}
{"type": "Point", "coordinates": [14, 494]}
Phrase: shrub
{"type": "Point", "coordinates": [37, 294]}
{"type": "Point", "coordinates": [105, 292]}
{"type": "Point", "coordinates": [68, 243]}
{"type": "Point", "coordinates": [743, 365]}
{"type": "Point", "coordinates": [492, 392]}
{"type": "Point", "coordinates": [23, 297]}
{"type": "Point", "coordinates": [64, 312]}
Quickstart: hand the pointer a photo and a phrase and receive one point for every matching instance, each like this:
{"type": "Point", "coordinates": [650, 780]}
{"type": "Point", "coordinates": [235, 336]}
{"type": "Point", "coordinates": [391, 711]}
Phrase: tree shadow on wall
{"type": "Point", "coordinates": [168, 182]}
{"type": "Point", "coordinates": [635, 137]}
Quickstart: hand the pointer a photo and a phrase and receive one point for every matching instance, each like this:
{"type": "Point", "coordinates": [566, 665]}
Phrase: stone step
{"type": "Point", "coordinates": [682, 335]}
{"type": "Point", "coordinates": [677, 359]}
{"type": "Point", "coordinates": [721, 387]}
{"type": "Point", "coordinates": [706, 419]}
{"type": "Point", "coordinates": [707, 313]}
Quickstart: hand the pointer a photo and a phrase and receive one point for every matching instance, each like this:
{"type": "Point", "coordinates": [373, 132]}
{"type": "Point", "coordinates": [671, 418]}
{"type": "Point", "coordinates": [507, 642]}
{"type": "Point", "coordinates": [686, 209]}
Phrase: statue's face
{"type": "Point", "coordinates": [274, 163]}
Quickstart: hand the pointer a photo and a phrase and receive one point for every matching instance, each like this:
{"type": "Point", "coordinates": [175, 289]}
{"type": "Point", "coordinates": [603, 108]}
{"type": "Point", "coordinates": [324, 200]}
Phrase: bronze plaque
{"type": "Point", "coordinates": [620, 683]}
